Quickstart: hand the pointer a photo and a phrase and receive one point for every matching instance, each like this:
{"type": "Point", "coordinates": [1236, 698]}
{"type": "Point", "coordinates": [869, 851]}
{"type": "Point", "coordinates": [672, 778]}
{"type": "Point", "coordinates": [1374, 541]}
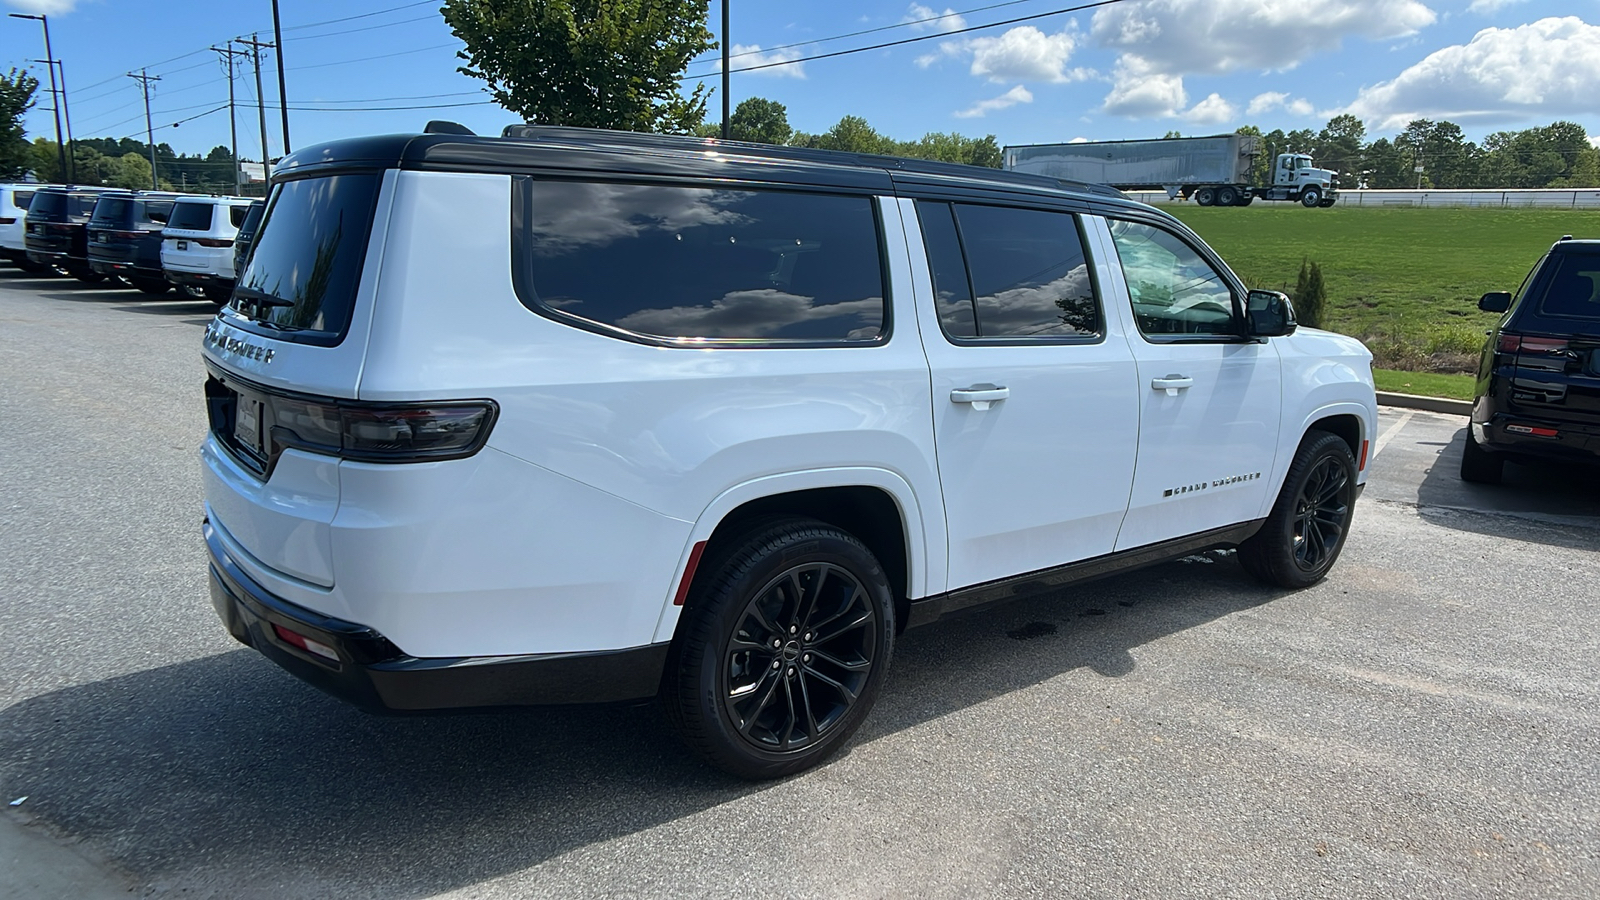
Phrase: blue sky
{"type": "Point", "coordinates": [1136, 68]}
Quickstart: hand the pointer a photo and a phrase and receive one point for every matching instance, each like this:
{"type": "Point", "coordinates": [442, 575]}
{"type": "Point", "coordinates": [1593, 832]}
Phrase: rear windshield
{"type": "Point", "coordinates": [48, 203]}
{"type": "Point", "coordinates": [191, 216]}
{"type": "Point", "coordinates": [113, 210]}
{"type": "Point", "coordinates": [1573, 290]}
{"type": "Point", "coordinates": [308, 253]}
{"type": "Point", "coordinates": [252, 221]}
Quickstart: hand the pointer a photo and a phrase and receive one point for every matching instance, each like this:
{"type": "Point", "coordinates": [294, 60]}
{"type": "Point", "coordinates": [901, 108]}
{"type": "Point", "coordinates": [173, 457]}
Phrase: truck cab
{"type": "Point", "coordinates": [1295, 177]}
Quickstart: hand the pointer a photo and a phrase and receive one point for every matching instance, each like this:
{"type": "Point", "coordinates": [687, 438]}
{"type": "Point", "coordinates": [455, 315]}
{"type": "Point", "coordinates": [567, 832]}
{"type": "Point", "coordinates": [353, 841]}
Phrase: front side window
{"type": "Point", "coordinates": [191, 216]}
{"type": "Point", "coordinates": [721, 264]}
{"type": "Point", "coordinates": [1002, 272]}
{"type": "Point", "coordinates": [1174, 290]}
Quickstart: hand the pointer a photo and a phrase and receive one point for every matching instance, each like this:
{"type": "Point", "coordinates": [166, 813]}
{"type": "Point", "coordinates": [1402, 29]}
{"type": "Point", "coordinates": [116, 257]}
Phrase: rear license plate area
{"type": "Point", "coordinates": [247, 424]}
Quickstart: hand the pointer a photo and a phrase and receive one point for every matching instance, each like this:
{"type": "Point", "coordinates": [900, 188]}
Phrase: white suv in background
{"type": "Point", "coordinates": [573, 415]}
{"type": "Point", "coordinates": [197, 244]}
{"type": "Point", "coordinates": [14, 200]}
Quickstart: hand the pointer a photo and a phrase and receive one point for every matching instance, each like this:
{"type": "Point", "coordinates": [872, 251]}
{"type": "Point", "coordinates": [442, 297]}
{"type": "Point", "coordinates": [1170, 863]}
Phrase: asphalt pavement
{"type": "Point", "coordinates": [1424, 723]}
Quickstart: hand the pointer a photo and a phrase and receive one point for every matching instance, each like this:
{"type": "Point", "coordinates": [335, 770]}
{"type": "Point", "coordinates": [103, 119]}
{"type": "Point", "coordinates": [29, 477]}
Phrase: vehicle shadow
{"type": "Point", "coordinates": [226, 760]}
{"type": "Point", "coordinates": [1543, 502]}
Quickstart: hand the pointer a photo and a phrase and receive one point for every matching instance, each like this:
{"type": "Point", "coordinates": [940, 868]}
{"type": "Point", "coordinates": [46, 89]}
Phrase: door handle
{"type": "Point", "coordinates": [980, 395]}
{"type": "Point", "coordinates": [1172, 384]}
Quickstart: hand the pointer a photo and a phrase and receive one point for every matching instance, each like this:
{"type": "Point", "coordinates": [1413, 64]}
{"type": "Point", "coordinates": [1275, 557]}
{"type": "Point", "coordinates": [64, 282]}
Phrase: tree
{"type": "Point", "coordinates": [952, 147]}
{"type": "Point", "coordinates": [851, 134]}
{"type": "Point", "coordinates": [595, 63]}
{"type": "Point", "coordinates": [16, 97]}
{"type": "Point", "coordinates": [131, 171]}
{"type": "Point", "coordinates": [759, 121]}
{"type": "Point", "coordinates": [1338, 147]}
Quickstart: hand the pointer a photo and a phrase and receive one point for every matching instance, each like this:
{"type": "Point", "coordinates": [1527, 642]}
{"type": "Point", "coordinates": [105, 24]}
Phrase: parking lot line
{"type": "Point", "coordinates": [1391, 431]}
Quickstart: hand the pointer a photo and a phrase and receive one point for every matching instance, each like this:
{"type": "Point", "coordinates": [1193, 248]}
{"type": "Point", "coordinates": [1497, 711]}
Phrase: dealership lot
{"type": "Point", "coordinates": [1425, 723]}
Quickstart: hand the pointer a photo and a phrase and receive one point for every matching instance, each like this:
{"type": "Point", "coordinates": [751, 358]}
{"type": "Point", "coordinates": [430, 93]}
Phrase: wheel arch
{"type": "Point", "coordinates": [877, 506]}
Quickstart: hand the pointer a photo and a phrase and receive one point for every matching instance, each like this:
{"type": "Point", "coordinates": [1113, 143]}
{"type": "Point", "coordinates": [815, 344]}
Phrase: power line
{"type": "Point", "coordinates": [368, 15]}
{"type": "Point", "coordinates": [346, 62]}
{"type": "Point", "coordinates": [308, 37]}
{"type": "Point", "coordinates": [913, 40]}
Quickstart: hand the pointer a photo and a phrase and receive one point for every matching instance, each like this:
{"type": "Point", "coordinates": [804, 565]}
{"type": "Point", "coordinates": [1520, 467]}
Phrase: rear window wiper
{"type": "Point", "coordinates": [261, 298]}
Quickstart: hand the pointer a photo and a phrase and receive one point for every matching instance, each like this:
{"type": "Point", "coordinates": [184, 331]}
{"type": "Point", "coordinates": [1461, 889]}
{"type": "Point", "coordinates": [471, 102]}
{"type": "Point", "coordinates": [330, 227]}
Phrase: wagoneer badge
{"type": "Point", "coordinates": [215, 337]}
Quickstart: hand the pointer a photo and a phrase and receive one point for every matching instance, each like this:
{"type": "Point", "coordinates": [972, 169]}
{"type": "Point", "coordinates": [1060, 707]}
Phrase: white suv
{"type": "Point", "coordinates": [14, 200]}
{"type": "Point", "coordinates": [197, 244]}
{"type": "Point", "coordinates": [575, 415]}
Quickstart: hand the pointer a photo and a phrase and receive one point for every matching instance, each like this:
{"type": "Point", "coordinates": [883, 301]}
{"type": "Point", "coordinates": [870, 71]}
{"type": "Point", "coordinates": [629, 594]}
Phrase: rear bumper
{"type": "Point", "coordinates": [1572, 442]}
{"type": "Point", "coordinates": [197, 279]}
{"type": "Point", "coordinates": [122, 268]}
{"type": "Point", "coordinates": [372, 673]}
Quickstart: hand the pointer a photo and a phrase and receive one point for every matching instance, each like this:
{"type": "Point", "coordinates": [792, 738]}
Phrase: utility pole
{"type": "Point", "coordinates": [144, 78]}
{"type": "Point", "coordinates": [66, 112]}
{"type": "Point", "coordinates": [283, 92]}
{"type": "Point", "coordinates": [255, 46]}
{"type": "Point", "coordinates": [233, 125]}
{"type": "Point", "coordinates": [725, 52]}
{"type": "Point", "coordinates": [55, 98]}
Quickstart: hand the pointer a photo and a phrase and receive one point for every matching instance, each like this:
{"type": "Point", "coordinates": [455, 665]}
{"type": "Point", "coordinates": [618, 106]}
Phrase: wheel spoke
{"type": "Point", "coordinates": [849, 695]}
{"type": "Point", "coordinates": [812, 728]}
{"type": "Point", "coordinates": [844, 609]}
{"type": "Point", "coordinates": [787, 737]}
{"type": "Point", "coordinates": [808, 605]}
{"type": "Point", "coordinates": [857, 666]}
{"type": "Point", "coordinates": [776, 676]}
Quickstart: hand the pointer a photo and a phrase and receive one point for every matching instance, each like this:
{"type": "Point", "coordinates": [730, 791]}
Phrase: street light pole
{"type": "Point", "coordinates": [725, 52]}
{"type": "Point", "coordinates": [55, 98]}
{"type": "Point", "coordinates": [283, 91]}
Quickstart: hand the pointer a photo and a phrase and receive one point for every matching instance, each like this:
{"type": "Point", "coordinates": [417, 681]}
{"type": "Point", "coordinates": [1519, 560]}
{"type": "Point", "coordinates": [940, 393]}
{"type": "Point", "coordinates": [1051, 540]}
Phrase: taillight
{"type": "Point", "coordinates": [382, 433]}
{"type": "Point", "coordinates": [8, 220]}
{"type": "Point", "coordinates": [59, 229]}
{"type": "Point", "coordinates": [296, 639]}
{"type": "Point", "coordinates": [1516, 343]}
{"type": "Point", "coordinates": [213, 242]}
{"type": "Point", "coordinates": [128, 235]}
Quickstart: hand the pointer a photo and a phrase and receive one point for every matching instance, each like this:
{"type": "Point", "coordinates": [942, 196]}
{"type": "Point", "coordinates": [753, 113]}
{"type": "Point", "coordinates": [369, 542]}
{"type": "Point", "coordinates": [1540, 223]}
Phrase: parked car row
{"type": "Point", "coordinates": [152, 240]}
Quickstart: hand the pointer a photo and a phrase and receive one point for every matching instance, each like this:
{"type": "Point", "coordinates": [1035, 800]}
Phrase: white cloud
{"type": "Point", "coordinates": [1023, 53]}
{"type": "Point", "coordinates": [1163, 40]}
{"type": "Point", "coordinates": [1141, 93]}
{"type": "Point", "coordinates": [1213, 110]}
{"type": "Point", "coordinates": [44, 7]}
{"type": "Point", "coordinates": [1271, 100]}
{"type": "Point", "coordinates": [1549, 68]}
{"type": "Point", "coordinates": [945, 21]}
{"type": "Point", "coordinates": [1491, 6]}
{"type": "Point", "coordinates": [1079, 140]}
{"type": "Point", "coordinates": [1187, 37]}
{"type": "Point", "coordinates": [1018, 94]}
{"type": "Point", "coordinates": [1594, 141]}
{"type": "Point", "coordinates": [744, 56]}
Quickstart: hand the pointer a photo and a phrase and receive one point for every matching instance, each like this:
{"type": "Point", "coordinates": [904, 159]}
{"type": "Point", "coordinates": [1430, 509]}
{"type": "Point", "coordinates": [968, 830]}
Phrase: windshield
{"type": "Point", "coordinates": [305, 263]}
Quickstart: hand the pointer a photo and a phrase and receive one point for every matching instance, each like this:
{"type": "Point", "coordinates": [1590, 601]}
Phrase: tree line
{"type": "Point", "coordinates": [1558, 155]}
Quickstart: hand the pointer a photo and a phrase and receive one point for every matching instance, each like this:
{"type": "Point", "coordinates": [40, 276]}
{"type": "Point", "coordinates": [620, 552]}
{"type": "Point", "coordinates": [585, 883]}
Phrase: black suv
{"type": "Point", "coordinates": [1538, 392]}
{"type": "Point", "coordinates": [57, 234]}
{"type": "Point", "coordinates": [247, 236]}
{"type": "Point", "coordinates": [124, 237]}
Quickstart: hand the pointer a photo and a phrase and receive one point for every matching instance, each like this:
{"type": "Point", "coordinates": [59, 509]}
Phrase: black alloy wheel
{"type": "Point", "coordinates": [1306, 530]}
{"type": "Point", "coordinates": [779, 658]}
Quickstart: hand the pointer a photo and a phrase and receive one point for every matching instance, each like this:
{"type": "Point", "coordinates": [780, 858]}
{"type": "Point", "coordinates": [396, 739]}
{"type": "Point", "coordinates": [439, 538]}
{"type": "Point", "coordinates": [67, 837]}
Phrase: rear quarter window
{"type": "Point", "coordinates": [191, 216]}
{"type": "Point", "coordinates": [236, 215]}
{"type": "Point", "coordinates": [681, 264]}
{"type": "Point", "coordinates": [1573, 290]}
{"type": "Point", "coordinates": [21, 199]}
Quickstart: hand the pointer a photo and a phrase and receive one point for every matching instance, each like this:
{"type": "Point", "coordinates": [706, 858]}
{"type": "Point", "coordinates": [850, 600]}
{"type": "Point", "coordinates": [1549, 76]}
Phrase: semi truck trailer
{"type": "Point", "coordinates": [1213, 171]}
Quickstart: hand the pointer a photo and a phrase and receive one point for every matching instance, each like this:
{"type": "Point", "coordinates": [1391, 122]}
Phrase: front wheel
{"type": "Point", "coordinates": [1310, 197]}
{"type": "Point", "coordinates": [782, 649]}
{"type": "Point", "coordinates": [1308, 524]}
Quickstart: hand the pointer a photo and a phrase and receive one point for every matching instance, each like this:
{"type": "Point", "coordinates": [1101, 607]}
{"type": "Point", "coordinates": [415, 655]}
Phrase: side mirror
{"type": "Point", "coordinates": [1495, 301]}
{"type": "Point", "coordinates": [1269, 314]}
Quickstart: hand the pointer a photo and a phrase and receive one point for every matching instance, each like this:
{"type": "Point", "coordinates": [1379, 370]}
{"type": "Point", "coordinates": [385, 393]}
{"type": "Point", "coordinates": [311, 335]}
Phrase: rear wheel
{"type": "Point", "coordinates": [782, 651]}
{"type": "Point", "coordinates": [153, 286]}
{"type": "Point", "coordinates": [88, 277]}
{"type": "Point", "coordinates": [1478, 465]}
{"type": "Point", "coordinates": [216, 295]}
{"type": "Point", "coordinates": [1205, 196]}
{"type": "Point", "coordinates": [1306, 529]}
{"type": "Point", "coordinates": [1310, 197]}
{"type": "Point", "coordinates": [1227, 196]}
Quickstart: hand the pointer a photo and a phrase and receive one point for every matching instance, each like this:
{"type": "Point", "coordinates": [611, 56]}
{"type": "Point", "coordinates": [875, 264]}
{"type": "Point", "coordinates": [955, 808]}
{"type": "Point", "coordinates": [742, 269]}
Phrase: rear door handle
{"type": "Point", "coordinates": [1172, 384]}
{"type": "Point", "coordinates": [980, 395]}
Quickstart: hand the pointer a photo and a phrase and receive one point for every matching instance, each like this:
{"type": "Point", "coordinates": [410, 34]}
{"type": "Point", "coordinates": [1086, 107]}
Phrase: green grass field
{"type": "Point", "coordinates": [1405, 281]}
{"type": "Point", "coordinates": [1426, 384]}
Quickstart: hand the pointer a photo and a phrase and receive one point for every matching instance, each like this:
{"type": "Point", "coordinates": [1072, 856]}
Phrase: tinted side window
{"type": "Point", "coordinates": [236, 215]}
{"type": "Point", "coordinates": [309, 253]}
{"type": "Point", "coordinates": [157, 211]}
{"type": "Point", "coordinates": [951, 290]}
{"type": "Point", "coordinates": [113, 210]}
{"type": "Point", "coordinates": [48, 203]}
{"type": "Point", "coordinates": [1030, 275]}
{"type": "Point", "coordinates": [83, 205]}
{"type": "Point", "coordinates": [191, 216]}
{"type": "Point", "coordinates": [21, 199]}
{"type": "Point", "coordinates": [1175, 291]}
{"type": "Point", "coordinates": [707, 263]}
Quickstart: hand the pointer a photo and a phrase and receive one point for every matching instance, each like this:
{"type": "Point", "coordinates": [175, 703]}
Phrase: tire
{"type": "Point", "coordinates": [1227, 196]}
{"type": "Point", "coordinates": [1247, 201]}
{"type": "Point", "coordinates": [1205, 196]}
{"type": "Point", "coordinates": [218, 296]}
{"type": "Point", "coordinates": [762, 679]}
{"type": "Point", "coordinates": [152, 286]}
{"type": "Point", "coordinates": [1478, 465]}
{"type": "Point", "coordinates": [1326, 202]}
{"type": "Point", "coordinates": [1310, 197]}
{"type": "Point", "coordinates": [33, 268]}
{"type": "Point", "coordinates": [88, 277]}
{"type": "Point", "coordinates": [1306, 529]}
